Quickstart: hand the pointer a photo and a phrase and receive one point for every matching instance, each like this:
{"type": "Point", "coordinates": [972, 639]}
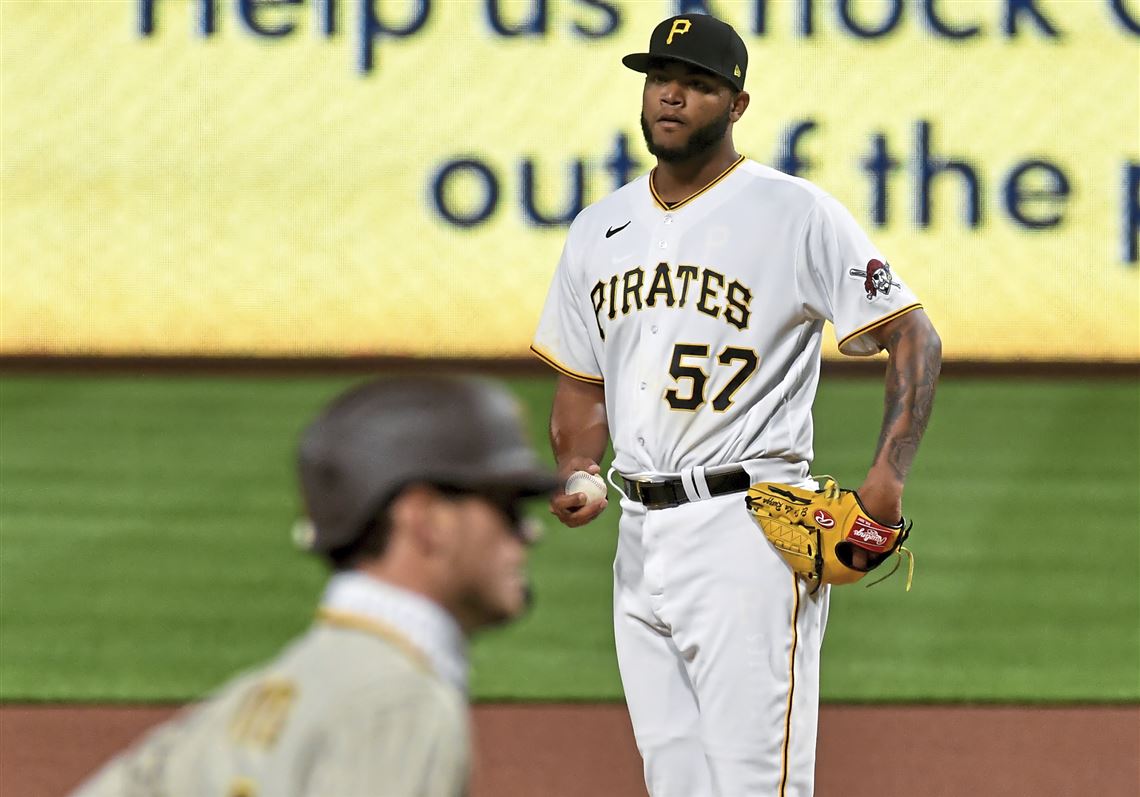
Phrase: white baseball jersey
{"type": "Point", "coordinates": [369, 702]}
{"type": "Point", "coordinates": [704, 319]}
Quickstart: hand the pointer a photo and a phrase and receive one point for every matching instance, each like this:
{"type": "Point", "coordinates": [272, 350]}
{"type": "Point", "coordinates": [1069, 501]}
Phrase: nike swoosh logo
{"type": "Point", "coordinates": [612, 231]}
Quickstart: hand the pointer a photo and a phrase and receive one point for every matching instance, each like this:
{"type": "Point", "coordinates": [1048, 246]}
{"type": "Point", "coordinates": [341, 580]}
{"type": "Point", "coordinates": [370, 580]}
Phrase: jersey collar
{"type": "Point", "coordinates": [410, 621]}
{"type": "Point", "coordinates": [661, 203]}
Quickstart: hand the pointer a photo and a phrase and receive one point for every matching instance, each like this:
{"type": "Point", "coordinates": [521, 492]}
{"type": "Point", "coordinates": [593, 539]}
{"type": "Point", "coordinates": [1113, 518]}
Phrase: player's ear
{"type": "Point", "coordinates": [739, 105]}
{"type": "Point", "coordinates": [412, 514]}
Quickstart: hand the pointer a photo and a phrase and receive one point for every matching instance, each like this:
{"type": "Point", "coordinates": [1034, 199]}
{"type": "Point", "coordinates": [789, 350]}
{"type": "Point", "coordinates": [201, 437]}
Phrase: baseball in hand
{"type": "Point", "coordinates": [591, 484]}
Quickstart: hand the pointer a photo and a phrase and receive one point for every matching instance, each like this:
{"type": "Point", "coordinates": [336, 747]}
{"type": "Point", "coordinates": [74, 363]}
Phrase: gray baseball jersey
{"type": "Point", "coordinates": [370, 701]}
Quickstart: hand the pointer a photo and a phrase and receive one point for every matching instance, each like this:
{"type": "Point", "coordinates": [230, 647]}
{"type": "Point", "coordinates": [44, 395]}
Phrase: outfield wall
{"type": "Point", "coordinates": [394, 177]}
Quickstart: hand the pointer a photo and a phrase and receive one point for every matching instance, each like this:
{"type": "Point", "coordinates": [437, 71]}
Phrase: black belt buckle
{"type": "Point", "coordinates": [657, 495]}
{"type": "Point", "coordinates": [671, 493]}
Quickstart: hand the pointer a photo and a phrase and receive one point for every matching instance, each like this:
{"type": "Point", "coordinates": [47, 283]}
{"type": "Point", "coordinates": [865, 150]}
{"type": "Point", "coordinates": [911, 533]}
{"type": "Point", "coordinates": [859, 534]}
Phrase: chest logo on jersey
{"type": "Point", "coordinates": [877, 278]}
{"type": "Point", "coordinates": [704, 289]}
{"type": "Point", "coordinates": [612, 231]}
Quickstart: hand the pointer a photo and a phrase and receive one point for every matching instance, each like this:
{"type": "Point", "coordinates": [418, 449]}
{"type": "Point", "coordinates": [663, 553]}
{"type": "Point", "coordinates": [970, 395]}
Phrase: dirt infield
{"type": "Point", "coordinates": [588, 751]}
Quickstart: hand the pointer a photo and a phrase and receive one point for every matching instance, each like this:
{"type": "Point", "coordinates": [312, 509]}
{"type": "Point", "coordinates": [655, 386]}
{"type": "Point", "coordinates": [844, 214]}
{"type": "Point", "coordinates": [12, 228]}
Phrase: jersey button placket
{"type": "Point", "coordinates": [650, 357]}
{"type": "Point", "coordinates": [644, 360]}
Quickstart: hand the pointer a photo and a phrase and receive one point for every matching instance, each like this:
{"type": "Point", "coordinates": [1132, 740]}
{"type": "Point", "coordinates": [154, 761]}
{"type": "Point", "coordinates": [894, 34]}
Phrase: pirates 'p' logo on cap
{"type": "Point", "coordinates": [680, 28]}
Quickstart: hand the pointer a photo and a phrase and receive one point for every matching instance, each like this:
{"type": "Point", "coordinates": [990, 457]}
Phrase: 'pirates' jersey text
{"type": "Point", "coordinates": [704, 319]}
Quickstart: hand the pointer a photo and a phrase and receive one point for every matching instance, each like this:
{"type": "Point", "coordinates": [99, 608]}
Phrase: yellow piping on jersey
{"type": "Point", "coordinates": [243, 787]}
{"type": "Point", "coordinates": [666, 206]}
{"type": "Point", "coordinates": [878, 323]}
{"type": "Point", "coordinates": [791, 688]}
{"type": "Point", "coordinates": [562, 369]}
{"type": "Point", "coordinates": [376, 628]}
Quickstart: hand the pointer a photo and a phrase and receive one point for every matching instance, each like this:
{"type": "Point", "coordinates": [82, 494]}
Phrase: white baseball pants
{"type": "Point", "coordinates": [718, 647]}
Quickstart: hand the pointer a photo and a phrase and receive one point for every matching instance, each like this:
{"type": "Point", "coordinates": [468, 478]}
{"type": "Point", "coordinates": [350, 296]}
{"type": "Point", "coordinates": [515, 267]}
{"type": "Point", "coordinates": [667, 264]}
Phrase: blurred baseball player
{"type": "Point", "coordinates": [413, 489]}
{"type": "Point", "coordinates": [686, 318]}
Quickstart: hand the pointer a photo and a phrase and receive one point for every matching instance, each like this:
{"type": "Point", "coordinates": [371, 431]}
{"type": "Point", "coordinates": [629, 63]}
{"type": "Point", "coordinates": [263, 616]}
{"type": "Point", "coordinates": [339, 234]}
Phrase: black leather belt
{"type": "Point", "coordinates": [671, 492]}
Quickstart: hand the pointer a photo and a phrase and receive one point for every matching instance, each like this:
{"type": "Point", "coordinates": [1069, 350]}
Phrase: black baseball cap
{"type": "Point", "coordinates": [696, 39]}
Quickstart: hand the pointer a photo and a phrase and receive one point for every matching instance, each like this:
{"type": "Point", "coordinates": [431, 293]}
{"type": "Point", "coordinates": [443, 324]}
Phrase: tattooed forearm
{"type": "Point", "coordinates": [895, 389]}
{"type": "Point", "coordinates": [912, 376]}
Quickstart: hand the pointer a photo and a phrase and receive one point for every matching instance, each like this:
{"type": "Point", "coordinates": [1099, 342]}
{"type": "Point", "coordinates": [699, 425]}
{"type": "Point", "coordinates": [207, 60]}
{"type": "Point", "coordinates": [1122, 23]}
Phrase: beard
{"type": "Point", "coordinates": [703, 140]}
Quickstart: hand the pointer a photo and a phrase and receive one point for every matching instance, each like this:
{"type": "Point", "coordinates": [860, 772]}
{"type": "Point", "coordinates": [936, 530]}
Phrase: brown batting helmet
{"type": "Point", "coordinates": [385, 434]}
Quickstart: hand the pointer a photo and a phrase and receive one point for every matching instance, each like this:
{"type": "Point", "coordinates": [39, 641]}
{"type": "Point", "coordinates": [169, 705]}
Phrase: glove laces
{"type": "Point", "coordinates": [829, 487]}
{"type": "Point", "coordinates": [902, 549]}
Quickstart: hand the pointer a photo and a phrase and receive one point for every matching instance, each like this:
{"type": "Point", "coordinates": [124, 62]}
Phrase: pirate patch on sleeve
{"type": "Point", "coordinates": [877, 279]}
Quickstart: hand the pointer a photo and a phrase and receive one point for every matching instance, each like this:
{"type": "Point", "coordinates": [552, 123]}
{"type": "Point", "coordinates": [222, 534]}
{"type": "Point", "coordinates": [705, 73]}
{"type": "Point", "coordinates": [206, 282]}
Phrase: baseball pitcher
{"type": "Point", "coordinates": [413, 489]}
{"type": "Point", "coordinates": [685, 318]}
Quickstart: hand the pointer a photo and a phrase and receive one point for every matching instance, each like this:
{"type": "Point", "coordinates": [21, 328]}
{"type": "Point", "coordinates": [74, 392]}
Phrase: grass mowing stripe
{"type": "Point", "coordinates": [144, 547]}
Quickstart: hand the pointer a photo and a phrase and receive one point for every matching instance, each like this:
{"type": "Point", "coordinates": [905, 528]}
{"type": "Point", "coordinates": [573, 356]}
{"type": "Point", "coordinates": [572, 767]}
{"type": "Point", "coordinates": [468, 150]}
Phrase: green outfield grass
{"type": "Point", "coordinates": [145, 554]}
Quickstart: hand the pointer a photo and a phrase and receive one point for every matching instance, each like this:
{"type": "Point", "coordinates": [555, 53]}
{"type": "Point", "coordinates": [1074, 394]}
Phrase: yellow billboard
{"type": "Point", "coordinates": [394, 177]}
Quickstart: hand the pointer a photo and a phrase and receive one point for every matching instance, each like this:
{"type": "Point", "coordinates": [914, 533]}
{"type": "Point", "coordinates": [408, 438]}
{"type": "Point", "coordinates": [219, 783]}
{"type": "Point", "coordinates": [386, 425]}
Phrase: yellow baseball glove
{"type": "Point", "coordinates": [826, 536]}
